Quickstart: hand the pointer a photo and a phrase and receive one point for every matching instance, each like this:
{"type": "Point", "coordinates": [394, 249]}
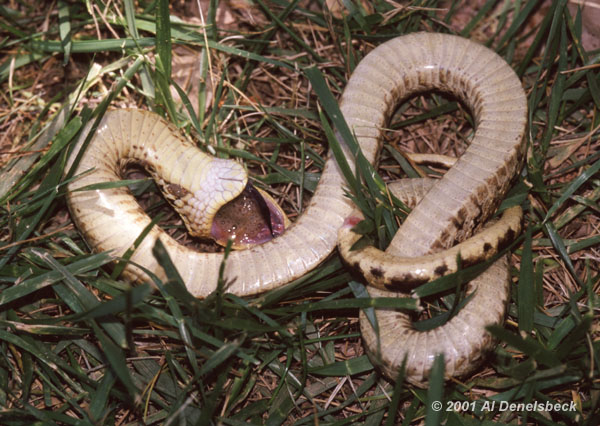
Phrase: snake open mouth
{"type": "Point", "coordinates": [251, 218]}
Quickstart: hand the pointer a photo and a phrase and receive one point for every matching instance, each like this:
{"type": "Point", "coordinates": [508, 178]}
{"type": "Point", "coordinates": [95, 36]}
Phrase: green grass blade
{"type": "Point", "coordinates": [164, 57]}
{"type": "Point", "coordinates": [349, 367]}
{"type": "Point", "coordinates": [435, 402]}
{"type": "Point", "coordinates": [526, 289]}
{"type": "Point", "coordinates": [64, 25]}
{"type": "Point", "coordinates": [575, 184]}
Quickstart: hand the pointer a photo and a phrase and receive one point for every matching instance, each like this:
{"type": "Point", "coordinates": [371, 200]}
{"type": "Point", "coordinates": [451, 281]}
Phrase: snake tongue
{"type": "Point", "coordinates": [249, 219]}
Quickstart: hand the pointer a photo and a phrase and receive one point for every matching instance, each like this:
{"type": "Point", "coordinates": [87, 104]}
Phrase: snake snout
{"type": "Point", "coordinates": [252, 218]}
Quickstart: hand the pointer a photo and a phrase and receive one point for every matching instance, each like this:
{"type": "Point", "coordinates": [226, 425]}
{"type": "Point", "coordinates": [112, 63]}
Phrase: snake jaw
{"type": "Point", "coordinates": [220, 204]}
{"type": "Point", "coordinates": [218, 182]}
{"type": "Point", "coordinates": [251, 218]}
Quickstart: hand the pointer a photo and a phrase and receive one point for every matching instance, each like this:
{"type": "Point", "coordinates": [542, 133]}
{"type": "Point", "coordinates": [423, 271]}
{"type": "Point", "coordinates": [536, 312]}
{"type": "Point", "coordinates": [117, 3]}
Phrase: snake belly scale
{"type": "Point", "coordinates": [449, 211]}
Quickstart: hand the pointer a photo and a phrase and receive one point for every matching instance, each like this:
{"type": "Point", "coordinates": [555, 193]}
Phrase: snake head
{"type": "Point", "coordinates": [252, 218]}
{"type": "Point", "coordinates": [222, 205]}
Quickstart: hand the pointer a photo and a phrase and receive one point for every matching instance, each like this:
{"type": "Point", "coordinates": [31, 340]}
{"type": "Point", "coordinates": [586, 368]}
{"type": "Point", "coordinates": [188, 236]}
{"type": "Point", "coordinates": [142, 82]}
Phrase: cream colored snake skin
{"type": "Point", "coordinates": [464, 198]}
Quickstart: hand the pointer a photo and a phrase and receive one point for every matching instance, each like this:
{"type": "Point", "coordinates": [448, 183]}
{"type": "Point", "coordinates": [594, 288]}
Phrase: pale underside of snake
{"type": "Point", "coordinates": [449, 211]}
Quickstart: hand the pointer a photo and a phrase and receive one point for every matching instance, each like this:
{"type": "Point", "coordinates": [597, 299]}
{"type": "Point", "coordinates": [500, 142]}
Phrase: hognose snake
{"type": "Point", "coordinates": [449, 210]}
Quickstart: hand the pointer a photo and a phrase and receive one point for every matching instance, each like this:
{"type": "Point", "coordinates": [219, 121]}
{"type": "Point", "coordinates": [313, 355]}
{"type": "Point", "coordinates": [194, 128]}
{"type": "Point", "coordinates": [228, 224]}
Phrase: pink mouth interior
{"type": "Point", "coordinates": [244, 221]}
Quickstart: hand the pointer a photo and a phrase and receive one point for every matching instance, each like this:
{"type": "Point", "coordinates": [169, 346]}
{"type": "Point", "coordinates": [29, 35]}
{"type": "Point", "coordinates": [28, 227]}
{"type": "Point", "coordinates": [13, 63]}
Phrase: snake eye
{"type": "Point", "coordinates": [251, 218]}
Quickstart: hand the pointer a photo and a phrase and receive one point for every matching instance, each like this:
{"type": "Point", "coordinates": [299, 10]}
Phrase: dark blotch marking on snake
{"type": "Point", "coordinates": [377, 272]}
{"type": "Point", "coordinates": [506, 239]}
{"type": "Point", "coordinates": [177, 190]}
{"type": "Point", "coordinates": [441, 270]}
{"type": "Point", "coordinates": [407, 282]}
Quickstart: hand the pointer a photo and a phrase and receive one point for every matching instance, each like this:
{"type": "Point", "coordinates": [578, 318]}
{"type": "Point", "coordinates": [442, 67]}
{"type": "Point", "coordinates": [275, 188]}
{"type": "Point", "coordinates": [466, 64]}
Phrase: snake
{"type": "Point", "coordinates": [276, 252]}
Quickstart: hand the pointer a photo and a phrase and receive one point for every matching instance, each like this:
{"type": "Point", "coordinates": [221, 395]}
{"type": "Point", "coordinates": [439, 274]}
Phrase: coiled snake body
{"type": "Point", "coordinates": [448, 212]}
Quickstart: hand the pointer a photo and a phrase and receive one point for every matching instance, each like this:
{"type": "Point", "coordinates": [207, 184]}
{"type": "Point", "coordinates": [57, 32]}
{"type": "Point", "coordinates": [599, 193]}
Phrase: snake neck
{"type": "Point", "coordinates": [194, 183]}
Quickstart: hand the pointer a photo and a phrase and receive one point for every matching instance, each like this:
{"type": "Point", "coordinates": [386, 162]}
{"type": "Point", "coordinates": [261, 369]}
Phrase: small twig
{"type": "Point", "coordinates": [583, 68]}
{"type": "Point", "coordinates": [41, 237]}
